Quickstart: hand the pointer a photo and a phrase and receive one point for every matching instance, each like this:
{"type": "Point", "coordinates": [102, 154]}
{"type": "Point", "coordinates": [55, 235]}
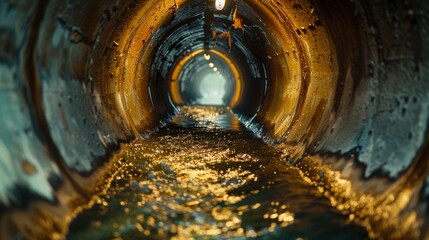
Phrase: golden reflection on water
{"type": "Point", "coordinates": [205, 177]}
{"type": "Point", "coordinates": [208, 117]}
{"type": "Point", "coordinates": [385, 216]}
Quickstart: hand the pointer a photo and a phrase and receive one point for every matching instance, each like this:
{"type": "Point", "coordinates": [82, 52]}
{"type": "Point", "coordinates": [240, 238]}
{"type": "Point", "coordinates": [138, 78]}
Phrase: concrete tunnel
{"type": "Point", "coordinates": [342, 85]}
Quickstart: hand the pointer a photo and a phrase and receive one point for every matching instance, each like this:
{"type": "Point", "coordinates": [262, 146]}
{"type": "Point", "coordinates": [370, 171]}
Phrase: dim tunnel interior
{"type": "Point", "coordinates": [341, 86]}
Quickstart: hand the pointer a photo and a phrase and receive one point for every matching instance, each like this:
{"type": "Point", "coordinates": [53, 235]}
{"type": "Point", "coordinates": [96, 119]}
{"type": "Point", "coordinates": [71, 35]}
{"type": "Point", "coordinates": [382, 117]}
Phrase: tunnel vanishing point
{"type": "Point", "coordinates": [340, 87]}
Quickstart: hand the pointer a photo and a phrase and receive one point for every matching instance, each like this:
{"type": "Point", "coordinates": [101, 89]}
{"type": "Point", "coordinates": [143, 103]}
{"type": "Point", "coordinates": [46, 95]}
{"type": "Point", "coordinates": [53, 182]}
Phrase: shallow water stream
{"type": "Point", "coordinates": [205, 176]}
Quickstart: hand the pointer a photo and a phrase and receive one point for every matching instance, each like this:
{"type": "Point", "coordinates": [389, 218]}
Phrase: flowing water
{"type": "Point", "coordinates": [205, 176]}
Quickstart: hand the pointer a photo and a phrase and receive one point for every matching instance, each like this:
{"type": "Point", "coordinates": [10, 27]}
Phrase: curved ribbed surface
{"type": "Point", "coordinates": [343, 84]}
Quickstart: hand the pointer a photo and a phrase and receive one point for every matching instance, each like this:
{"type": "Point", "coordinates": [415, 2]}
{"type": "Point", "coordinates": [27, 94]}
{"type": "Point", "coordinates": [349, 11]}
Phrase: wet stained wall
{"type": "Point", "coordinates": [343, 83]}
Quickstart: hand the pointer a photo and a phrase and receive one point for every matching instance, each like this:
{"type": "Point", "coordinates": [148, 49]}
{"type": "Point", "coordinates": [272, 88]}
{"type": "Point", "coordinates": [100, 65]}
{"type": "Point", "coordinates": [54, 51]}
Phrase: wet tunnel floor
{"type": "Point", "coordinates": [204, 176]}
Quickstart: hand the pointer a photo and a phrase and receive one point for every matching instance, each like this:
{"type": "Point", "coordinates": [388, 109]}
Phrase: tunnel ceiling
{"type": "Point", "coordinates": [343, 82]}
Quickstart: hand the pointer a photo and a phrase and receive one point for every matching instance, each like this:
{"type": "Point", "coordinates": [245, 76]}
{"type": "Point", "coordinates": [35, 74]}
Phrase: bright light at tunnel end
{"type": "Point", "coordinates": [220, 4]}
{"type": "Point", "coordinates": [212, 89]}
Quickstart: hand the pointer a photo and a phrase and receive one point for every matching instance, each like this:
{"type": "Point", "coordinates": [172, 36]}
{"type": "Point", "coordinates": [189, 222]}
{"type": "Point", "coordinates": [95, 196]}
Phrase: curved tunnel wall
{"type": "Point", "coordinates": [343, 81]}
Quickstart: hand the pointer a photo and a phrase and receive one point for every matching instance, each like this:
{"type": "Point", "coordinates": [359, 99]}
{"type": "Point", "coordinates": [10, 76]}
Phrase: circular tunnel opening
{"type": "Point", "coordinates": [340, 86]}
{"type": "Point", "coordinates": [201, 37]}
{"type": "Point", "coordinates": [204, 79]}
{"type": "Point", "coordinates": [206, 85]}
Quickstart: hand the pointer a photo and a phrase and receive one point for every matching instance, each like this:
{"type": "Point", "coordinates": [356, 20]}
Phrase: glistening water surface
{"type": "Point", "coordinates": [205, 176]}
